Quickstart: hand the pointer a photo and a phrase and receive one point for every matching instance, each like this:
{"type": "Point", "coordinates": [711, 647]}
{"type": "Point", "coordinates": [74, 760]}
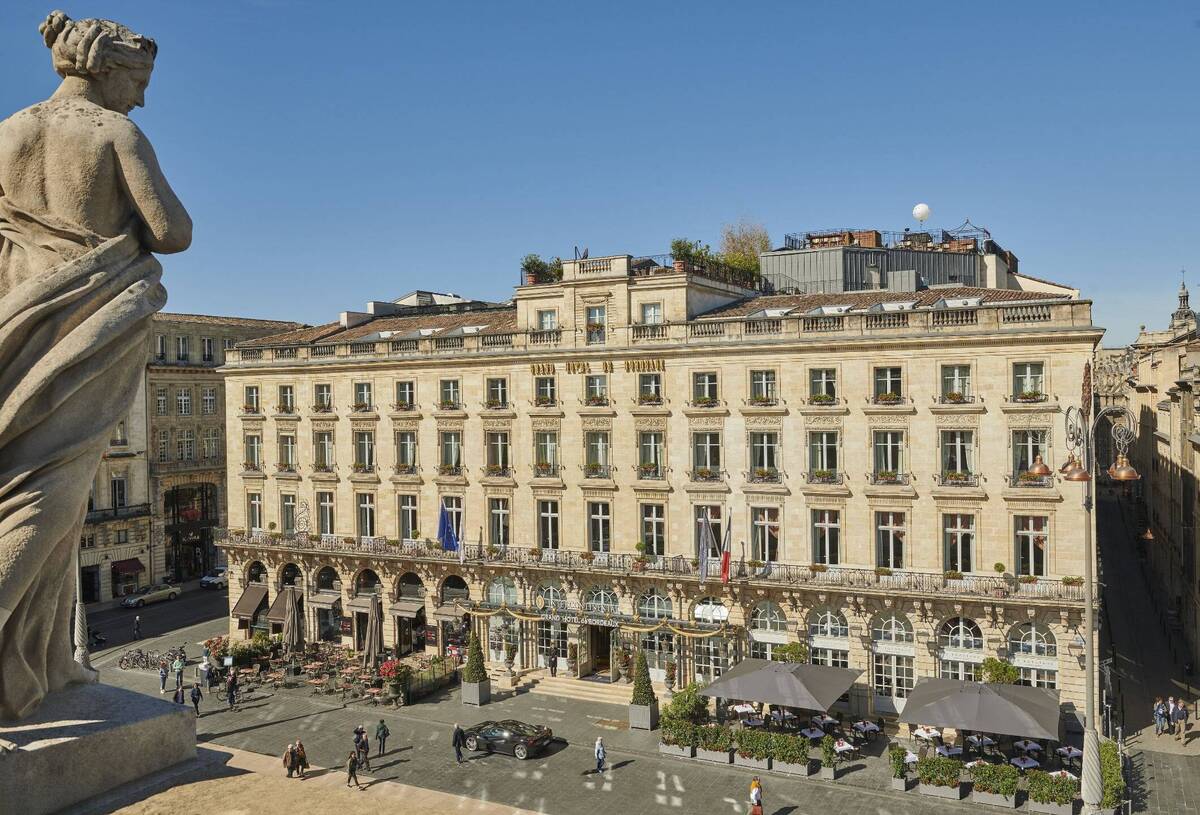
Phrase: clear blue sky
{"type": "Point", "coordinates": [332, 153]}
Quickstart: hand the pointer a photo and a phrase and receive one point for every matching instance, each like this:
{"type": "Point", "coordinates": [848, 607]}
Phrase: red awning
{"type": "Point", "coordinates": [128, 566]}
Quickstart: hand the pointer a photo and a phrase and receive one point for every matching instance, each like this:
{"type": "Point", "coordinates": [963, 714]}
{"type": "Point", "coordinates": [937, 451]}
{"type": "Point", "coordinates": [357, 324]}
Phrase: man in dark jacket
{"type": "Point", "coordinates": [459, 741]}
{"type": "Point", "coordinates": [381, 734]}
{"type": "Point", "coordinates": [352, 770]}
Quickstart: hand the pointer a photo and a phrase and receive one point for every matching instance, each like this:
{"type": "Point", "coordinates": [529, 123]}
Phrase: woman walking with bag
{"type": "Point", "coordinates": [756, 797]}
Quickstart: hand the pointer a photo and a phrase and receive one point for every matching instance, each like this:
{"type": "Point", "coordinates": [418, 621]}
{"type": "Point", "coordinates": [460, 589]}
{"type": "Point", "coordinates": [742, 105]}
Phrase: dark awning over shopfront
{"type": "Point", "coordinates": [278, 611]}
{"type": "Point", "coordinates": [407, 607]}
{"type": "Point", "coordinates": [128, 566]}
{"type": "Point", "coordinates": [788, 684]}
{"type": "Point", "coordinates": [251, 600]}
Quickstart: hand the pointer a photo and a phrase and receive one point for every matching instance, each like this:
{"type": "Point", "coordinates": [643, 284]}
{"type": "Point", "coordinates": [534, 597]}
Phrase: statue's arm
{"type": "Point", "coordinates": [168, 227]}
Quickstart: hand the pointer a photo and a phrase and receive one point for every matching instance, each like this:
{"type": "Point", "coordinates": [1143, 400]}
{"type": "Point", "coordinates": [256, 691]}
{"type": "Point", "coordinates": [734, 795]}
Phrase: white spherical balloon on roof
{"type": "Point", "coordinates": [921, 212]}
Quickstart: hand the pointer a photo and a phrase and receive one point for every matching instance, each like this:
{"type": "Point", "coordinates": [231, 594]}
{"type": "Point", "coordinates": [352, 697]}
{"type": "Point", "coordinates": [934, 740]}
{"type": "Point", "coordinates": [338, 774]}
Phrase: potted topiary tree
{"type": "Point", "coordinates": [476, 688]}
{"type": "Point", "coordinates": [995, 784]}
{"type": "Point", "coordinates": [643, 708]}
{"type": "Point", "coordinates": [896, 756]}
{"type": "Point", "coordinates": [828, 759]}
{"type": "Point", "coordinates": [941, 777]}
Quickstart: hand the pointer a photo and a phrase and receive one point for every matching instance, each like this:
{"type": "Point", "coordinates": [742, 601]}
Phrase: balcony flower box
{"type": "Point", "coordinates": [587, 557]}
{"type": "Point", "coordinates": [1072, 580]}
{"type": "Point", "coordinates": [1031, 480]}
{"type": "Point", "coordinates": [285, 409]}
{"type": "Point", "coordinates": [322, 468]}
{"type": "Point", "coordinates": [765, 475]}
{"type": "Point", "coordinates": [448, 404]}
{"type": "Point", "coordinates": [705, 402]}
{"type": "Point", "coordinates": [883, 571]}
{"type": "Point", "coordinates": [822, 399]}
{"type": "Point", "coordinates": [762, 401]}
{"type": "Point", "coordinates": [364, 468]}
{"type": "Point", "coordinates": [545, 401]}
{"type": "Point", "coordinates": [593, 328]}
{"type": "Point", "coordinates": [952, 575]}
{"type": "Point", "coordinates": [544, 470]}
{"type": "Point", "coordinates": [360, 407]}
{"type": "Point", "coordinates": [401, 407]}
{"type": "Point", "coordinates": [249, 408]}
{"type": "Point", "coordinates": [287, 468]}
{"type": "Point", "coordinates": [322, 408]}
{"type": "Point", "coordinates": [596, 401]}
{"type": "Point", "coordinates": [449, 469]}
{"type": "Point", "coordinates": [887, 477]}
{"type": "Point", "coordinates": [649, 471]}
{"type": "Point", "coordinates": [1030, 396]}
{"type": "Point", "coordinates": [817, 568]}
{"type": "Point", "coordinates": [252, 467]}
{"type": "Point", "coordinates": [888, 399]}
{"type": "Point", "coordinates": [594, 470]}
{"type": "Point", "coordinates": [1027, 579]}
{"type": "Point", "coordinates": [705, 474]}
{"type": "Point", "coordinates": [955, 478]}
{"type": "Point", "coordinates": [953, 398]}
{"type": "Point", "coordinates": [404, 469]}
{"type": "Point", "coordinates": [495, 404]}
{"type": "Point", "coordinates": [822, 476]}
{"type": "Point", "coordinates": [495, 471]}
{"type": "Point", "coordinates": [649, 399]}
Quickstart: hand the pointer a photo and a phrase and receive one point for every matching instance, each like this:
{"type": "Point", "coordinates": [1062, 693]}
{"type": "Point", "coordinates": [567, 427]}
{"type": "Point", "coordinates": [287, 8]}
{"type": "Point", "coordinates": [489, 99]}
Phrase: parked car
{"type": "Point", "coordinates": [218, 578]}
{"type": "Point", "coordinates": [509, 736]}
{"type": "Point", "coordinates": [150, 594]}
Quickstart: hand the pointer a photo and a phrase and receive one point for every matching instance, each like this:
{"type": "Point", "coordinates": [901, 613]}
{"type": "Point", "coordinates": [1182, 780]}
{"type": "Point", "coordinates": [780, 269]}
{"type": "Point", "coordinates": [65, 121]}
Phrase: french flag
{"type": "Point", "coordinates": [725, 554]}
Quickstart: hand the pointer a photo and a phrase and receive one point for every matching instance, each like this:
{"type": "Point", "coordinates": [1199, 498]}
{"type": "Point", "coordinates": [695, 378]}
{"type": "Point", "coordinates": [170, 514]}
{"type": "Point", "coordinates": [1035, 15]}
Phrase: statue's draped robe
{"type": "Point", "coordinates": [75, 312]}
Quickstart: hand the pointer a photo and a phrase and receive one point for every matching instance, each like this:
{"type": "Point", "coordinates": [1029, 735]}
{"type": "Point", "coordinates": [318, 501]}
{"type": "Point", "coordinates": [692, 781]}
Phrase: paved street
{"type": "Point", "coordinates": [161, 618]}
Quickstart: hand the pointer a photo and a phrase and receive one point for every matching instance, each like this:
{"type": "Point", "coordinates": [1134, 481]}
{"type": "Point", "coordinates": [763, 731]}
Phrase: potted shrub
{"type": "Point", "coordinates": [1051, 794]}
{"type": "Point", "coordinates": [1030, 396]}
{"type": "Point", "coordinates": [535, 553]}
{"type": "Point", "coordinates": [995, 784]}
{"type": "Point", "coordinates": [670, 669]}
{"type": "Point", "coordinates": [955, 398]}
{"type": "Point", "coordinates": [896, 755]}
{"type": "Point", "coordinates": [643, 707]}
{"type": "Point", "coordinates": [544, 401]}
{"type": "Point", "coordinates": [587, 556]}
{"type": "Point", "coordinates": [753, 748]}
{"type": "Point", "coordinates": [951, 574]}
{"type": "Point", "coordinates": [476, 688]}
{"type": "Point", "coordinates": [940, 777]}
{"type": "Point", "coordinates": [821, 399]}
{"type": "Point", "coordinates": [823, 476]}
{"type": "Point", "coordinates": [828, 759]}
{"type": "Point", "coordinates": [999, 590]}
{"type": "Point", "coordinates": [888, 398]}
{"type": "Point", "coordinates": [817, 567]}
{"type": "Point", "coordinates": [510, 655]}
{"type": "Point", "coordinates": [1111, 777]}
{"type": "Point", "coordinates": [789, 754]}
{"type": "Point", "coordinates": [715, 743]}
{"type": "Point", "coordinates": [678, 738]}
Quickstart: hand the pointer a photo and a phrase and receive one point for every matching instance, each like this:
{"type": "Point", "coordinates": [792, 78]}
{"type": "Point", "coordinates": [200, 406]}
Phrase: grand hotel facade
{"type": "Point", "coordinates": [868, 452]}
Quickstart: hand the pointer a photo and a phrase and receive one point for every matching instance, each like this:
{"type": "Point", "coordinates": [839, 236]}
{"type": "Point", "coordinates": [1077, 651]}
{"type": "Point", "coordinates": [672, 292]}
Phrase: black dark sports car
{"type": "Point", "coordinates": [509, 736]}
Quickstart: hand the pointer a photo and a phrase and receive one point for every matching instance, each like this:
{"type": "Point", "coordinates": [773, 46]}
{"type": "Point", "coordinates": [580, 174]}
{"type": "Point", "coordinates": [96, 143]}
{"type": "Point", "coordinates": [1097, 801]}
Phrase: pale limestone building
{"type": "Point", "coordinates": [864, 451]}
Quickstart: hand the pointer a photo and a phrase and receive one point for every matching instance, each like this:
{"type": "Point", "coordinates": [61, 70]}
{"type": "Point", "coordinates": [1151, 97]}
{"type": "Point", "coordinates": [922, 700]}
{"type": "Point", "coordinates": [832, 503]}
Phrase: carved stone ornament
{"type": "Point", "coordinates": [764, 422]}
{"type": "Point", "coordinates": [955, 420]}
{"type": "Point", "coordinates": [449, 425]}
{"type": "Point", "coordinates": [706, 422]}
{"type": "Point", "coordinates": [406, 424]}
{"type": "Point", "coordinates": [497, 425]}
{"type": "Point", "coordinates": [597, 423]}
{"type": "Point", "coordinates": [888, 420]}
{"type": "Point", "coordinates": [541, 424]}
{"type": "Point", "coordinates": [822, 421]}
{"type": "Point", "coordinates": [324, 426]}
{"type": "Point", "coordinates": [1036, 420]}
{"type": "Point", "coordinates": [650, 423]}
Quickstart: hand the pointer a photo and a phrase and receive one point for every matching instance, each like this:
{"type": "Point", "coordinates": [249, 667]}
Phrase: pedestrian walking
{"type": "Point", "coordinates": [1171, 715]}
{"type": "Point", "coordinates": [177, 667]}
{"type": "Point", "coordinates": [179, 697]}
{"type": "Point", "coordinates": [360, 733]}
{"type": "Point", "coordinates": [289, 759]}
{"type": "Point", "coordinates": [231, 687]}
{"type": "Point", "coordinates": [600, 755]}
{"type": "Point", "coordinates": [364, 755]}
{"type": "Point", "coordinates": [459, 740]}
{"type": "Point", "coordinates": [554, 664]}
{"type": "Point", "coordinates": [381, 734]}
{"type": "Point", "coordinates": [1186, 715]}
{"type": "Point", "coordinates": [301, 758]}
{"type": "Point", "coordinates": [1177, 719]}
{"type": "Point", "coordinates": [162, 676]}
{"type": "Point", "coordinates": [1159, 711]}
{"type": "Point", "coordinates": [137, 627]}
{"type": "Point", "coordinates": [196, 697]}
{"type": "Point", "coordinates": [202, 671]}
{"type": "Point", "coordinates": [756, 797]}
{"type": "Point", "coordinates": [352, 770]}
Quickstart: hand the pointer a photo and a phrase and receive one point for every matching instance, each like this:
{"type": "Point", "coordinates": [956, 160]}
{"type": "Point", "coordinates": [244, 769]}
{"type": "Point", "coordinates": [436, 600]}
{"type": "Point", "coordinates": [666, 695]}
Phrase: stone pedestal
{"type": "Point", "coordinates": [86, 740]}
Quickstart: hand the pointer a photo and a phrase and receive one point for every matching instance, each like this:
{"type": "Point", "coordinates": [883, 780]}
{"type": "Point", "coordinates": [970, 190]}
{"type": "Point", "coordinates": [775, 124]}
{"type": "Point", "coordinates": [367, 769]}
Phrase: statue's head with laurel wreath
{"type": "Point", "coordinates": [114, 62]}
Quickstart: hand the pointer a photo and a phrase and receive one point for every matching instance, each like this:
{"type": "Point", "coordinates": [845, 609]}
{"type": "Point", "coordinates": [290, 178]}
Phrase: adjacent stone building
{"type": "Point", "coordinates": [596, 440]}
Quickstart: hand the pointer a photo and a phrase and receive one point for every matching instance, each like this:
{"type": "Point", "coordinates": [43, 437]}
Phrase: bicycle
{"type": "Point", "coordinates": [137, 658]}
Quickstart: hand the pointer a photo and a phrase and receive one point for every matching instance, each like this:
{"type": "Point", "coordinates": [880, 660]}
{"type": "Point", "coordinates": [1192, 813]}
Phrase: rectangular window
{"type": "Point", "coordinates": [1029, 381]}
{"type": "Point", "coordinates": [956, 383]}
{"type": "Point", "coordinates": [893, 675]}
{"type": "Point", "coordinates": [325, 513]}
{"type": "Point", "coordinates": [364, 450]}
{"type": "Point", "coordinates": [826, 536]}
{"type": "Point", "coordinates": [287, 451]}
{"type": "Point", "coordinates": [595, 389]}
{"type": "Point", "coordinates": [654, 530]}
{"type": "Point", "coordinates": [596, 454]}
{"type": "Point", "coordinates": [406, 450]}
{"type": "Point", "coordinates": [212, 443]}
{"type": "Point", "coordinates": [889, 448]}
{"type": "Point", "coordinates": [889, 540]}
{"type": "Point", "coordinates": [186, 445]}
{"type": "Point", "coordinates": [706, 453]}
{"type": "Point", "coordinates": [118, 492]}
{"type": "Point", "coordinates": [250, 402]}
{"type": "Point", "coordinates": [764, 534]}
{"type": "Point", "coordinates": [497, 392]}
{"type": "Point", "coordinates": [651, 455]}
{"type": "Point", "coordinates": [207, 349]}
{"type": "Point", "coordinates": [1027, 446]}
{"type": "Point", "coordinates": [1031, 543]}
{"type": "Point", "coordinates": [597, 325]}
{"type": "Point", "coordinates": [958, 533]}
{"type": "Point", "coordinates": [450, 444]}
{"type": "Point", "coordinates": [832, 657]}
{"type": "Point", "coordinates": [181, 349]}
{"type": "Point", "coordinates": [366, 515]}
{"type": "Point", "coordinates": [545, 452]}
{"type": "Point", "coordinates": [599, 526]}
{"type": "Point", "coordinates": [497, 453]}
{"type": "Point", "coordinates": [764, 454]}
{"type": "Point", "coordinates": [710, 513]}
{"type": "Point", "coordinates": [287, 513]}
{"type": "Point", "coordinates": [449, 395]}
{"type": "Point", "coordinates": [322, 397]}
{"type": "Point", "coordinates": [704, 388]}
{"type": "Point", "coordinates": [287, 399]}
{"type": "Point", "coordinates": [254, 511]}
{"type": "Point", "coordinates": [547, 512]}
{"type": "Point", "coordinates": [650, 391]}
{"type": "Point", "coordinates": [822, 385]}
{"type": "Point", "coordinates": [164, 445]}
{"type": "Point", "coordinates": [160, 347]}
{"type": "Point", "coordinates": [547, 319]}
{"type": "Point", "coordinates": [121, 536]}
{"type": "Point", "coordinates": [406, 394]}
{"type": "Point", "coordinates": [763, 389]}
{"type": "Point", "coordinates": [253, 451]}
{"type": "Point", "coordinates": [208, 401]}
{"type": "Point", "coordinates": [362, 396]}
{"type": "Point", "coordinates": [887, 385]}
{"type": "Point", "coordinates": [1038, 678]}
{"type": "Point", "coordinates": [406, 509]}
{"type": "Point", "coordinates": [498, 521]}
{"type": "Point", "coordinates": [183, 401]}
{"type": "Point", "coordinates": [323, 450]}
{"type": "Point", "coordinates": [454, 509]}
{"type": "Point", "coordinates": [545, 391]}
{"type": "Point", "coordinates": [823, 453]}
{"type": "Point", "coordinates": [160, 401]}
{"type": "Point", "coordinates": [228, 344]}
{"type": "Point", "coordinates": [652, 314]}
{"type": "Point", "coordinates": [958, 453]}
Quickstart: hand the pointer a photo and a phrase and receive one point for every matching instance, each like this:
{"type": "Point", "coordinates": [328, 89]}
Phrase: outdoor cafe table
{"type": "Point", "coordinates": [842, 746]}
{"type": "Point", "coordinates": [910, 757]}
{"type": "Point", "coordinates": [976, 763]}
{"type": "Point", "coordinates": [1024, 762]}
{"type": "Point", "coordinates": [1069, 753]}
{"type": "Point", "coordinates": [753, 721]}
{"type": "Point", "coordinates": [744, 709]}
{"type": "Point", "coordinates": [947, 752]}
{"type": "Point", "coordinates": [866, 727]}
{"type": "Point", "coordinates": [926, 733]}
{"type": "Point", "coordinates": [976, 740]}
{"type": "Point", "coordinates": [1028, 746]}
{"type": "Point", "coordinates": [782, 715]}
{"type": "Point", "coordinates": [822, 721]}
{"type": "Point", "coordinates": [812, 733]}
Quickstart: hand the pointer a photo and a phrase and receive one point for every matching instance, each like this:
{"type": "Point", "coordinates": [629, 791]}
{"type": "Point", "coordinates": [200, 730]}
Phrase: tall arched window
{"type": "Point", "coordinates": [502, 591]}
{"type": "Point", "coordinates": [600, 600]}
{"type": "Point", "coordinates": [768, 630]}
{"type": "Point", "coordinates": [367, 581]}
{"type": "Point", "coordinates": [1034, 651]}
{"type": "Point", "coordinates": [828, 635]}
{"type": "Point", "coordinates": [552, 596]}
{"type": "Point", "coordinates": [256, 572]}
{"type": "Point", "coordinates": [892, 629]}
{"type": "Point", "coordinates": [654, 605]}
{"type": "Point", "coordinates": [291, 575]}
{"type": "Point", "coordinates": [893, 674]}
{"type": "Point", "coordinates": [326, 578]}
{"type": "Point", "coordinates": [828, 624]}
{"type": "Point", "coordinates": [961, 650]}
{"type": "Point", "coordinates": [659, 646]}
{"type": "Point", "coordinates": [710, 610]}
{"type": "Point", "coordinates": [709, 652]}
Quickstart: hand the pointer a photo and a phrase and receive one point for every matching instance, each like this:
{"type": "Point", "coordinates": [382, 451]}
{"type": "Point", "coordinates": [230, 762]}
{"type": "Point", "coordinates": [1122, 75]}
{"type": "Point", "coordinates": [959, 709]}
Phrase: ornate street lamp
{"type": "Point", "coordinates": [1039, 468]}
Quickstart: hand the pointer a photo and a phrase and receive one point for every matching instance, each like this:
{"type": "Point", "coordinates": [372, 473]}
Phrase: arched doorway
{"type": "Point", "coordinates": [291, 576]}
{"type": "Point", "coordinates": [328, 603]}
{"type": "Point", "coordinates": [408, 613]}
{"type": "Point", "coordinates": [190, 512]}
{"type": "Point", "coordinates": [454, 624]}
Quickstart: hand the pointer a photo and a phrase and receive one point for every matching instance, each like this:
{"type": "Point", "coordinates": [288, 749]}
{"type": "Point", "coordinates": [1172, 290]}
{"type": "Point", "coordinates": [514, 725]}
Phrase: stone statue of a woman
{"type": "Point", "coordinates": [83, 203]}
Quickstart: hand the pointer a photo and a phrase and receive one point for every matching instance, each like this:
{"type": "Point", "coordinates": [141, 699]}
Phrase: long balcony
{"type": "Point", "coordinates": [678, 566]}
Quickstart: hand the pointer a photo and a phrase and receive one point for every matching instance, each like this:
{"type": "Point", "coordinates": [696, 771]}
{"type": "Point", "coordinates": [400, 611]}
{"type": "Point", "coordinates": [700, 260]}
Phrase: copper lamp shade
{"type": "Point", "coordinates": [1077, 473]}
{"type": "Point", "coordinates": [1039, 468]}
{"type": "Point", "coordinates": [1123, 471]}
